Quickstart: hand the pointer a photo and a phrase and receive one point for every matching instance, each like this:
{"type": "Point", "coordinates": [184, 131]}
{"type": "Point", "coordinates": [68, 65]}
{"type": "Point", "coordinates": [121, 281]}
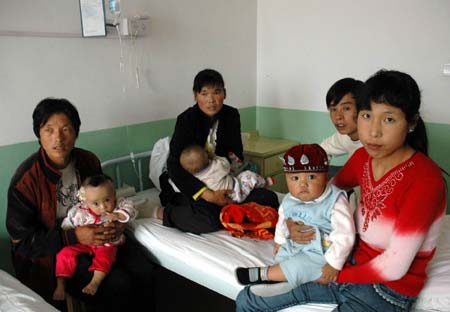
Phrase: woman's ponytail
{"type": "Point", "coordinates": [417, 137]}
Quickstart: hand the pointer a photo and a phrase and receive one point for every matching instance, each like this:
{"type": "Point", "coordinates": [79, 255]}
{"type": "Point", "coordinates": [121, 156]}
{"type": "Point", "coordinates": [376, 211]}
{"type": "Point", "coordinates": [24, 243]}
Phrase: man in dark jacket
{"type": "Point", "coordinates": [41, 191]}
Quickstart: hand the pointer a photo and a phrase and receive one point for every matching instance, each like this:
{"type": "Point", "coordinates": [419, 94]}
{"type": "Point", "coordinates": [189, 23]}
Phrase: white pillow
{"type": "Point", "coordinates": [158, 160]}
{"type": "Point", "coordinates": [146, 202]}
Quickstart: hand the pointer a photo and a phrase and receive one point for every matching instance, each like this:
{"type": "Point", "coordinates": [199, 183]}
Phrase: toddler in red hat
{"type": "Point", "coordinates": [315, 202]}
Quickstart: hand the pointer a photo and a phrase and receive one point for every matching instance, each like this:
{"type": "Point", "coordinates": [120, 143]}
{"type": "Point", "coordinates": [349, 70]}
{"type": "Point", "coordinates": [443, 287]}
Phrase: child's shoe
{"type": "Point", "coordinates": [255, 275]}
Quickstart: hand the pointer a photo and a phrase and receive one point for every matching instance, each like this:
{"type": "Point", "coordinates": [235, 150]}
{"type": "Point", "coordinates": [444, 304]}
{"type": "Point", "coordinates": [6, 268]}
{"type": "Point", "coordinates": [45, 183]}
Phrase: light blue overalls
{"type": "Point", "coordinates": [303, 263]}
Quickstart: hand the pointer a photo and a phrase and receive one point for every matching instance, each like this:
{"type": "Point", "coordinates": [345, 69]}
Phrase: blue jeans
{"type": "Point", "coordinates": [348, 297]}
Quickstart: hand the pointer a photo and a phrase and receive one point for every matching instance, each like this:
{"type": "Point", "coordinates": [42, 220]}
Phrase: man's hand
{"type": "Point", "coordinates": [119, 227]}
{"type": "Point", "coordinates": [219, 197]}
{"type": "Point", "coordinates": [299, 232]}
{"type": "Point", "coordinates": [329, 275]}
{"type": "Point", "coordinates": [99, 235]}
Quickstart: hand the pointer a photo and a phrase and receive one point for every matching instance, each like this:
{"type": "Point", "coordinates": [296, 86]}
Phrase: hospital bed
{"type": "Point", "coordinates": [15, 296]}
{"type": "Point", "coordinates": [210, 259]}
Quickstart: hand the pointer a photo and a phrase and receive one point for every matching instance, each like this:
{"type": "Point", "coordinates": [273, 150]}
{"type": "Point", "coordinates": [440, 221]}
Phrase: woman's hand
{"type": "Point", "coordinates": [219, 197]}
{"type": "Point", "coordinates": [299, 232]}
{"type": "Point", "coordinates": [329, 275]}
{"type": "Point", "coordinates": [99, 235]}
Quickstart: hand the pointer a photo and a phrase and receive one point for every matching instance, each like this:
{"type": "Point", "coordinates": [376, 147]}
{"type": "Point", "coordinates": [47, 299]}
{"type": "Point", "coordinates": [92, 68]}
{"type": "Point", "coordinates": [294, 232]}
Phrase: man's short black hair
{"type": "Point", "coordinates": [50, 106]}
{"type": "Point", "coordinates": [208, 77]}
{"type": "Point", "coordinates": [342, 87]}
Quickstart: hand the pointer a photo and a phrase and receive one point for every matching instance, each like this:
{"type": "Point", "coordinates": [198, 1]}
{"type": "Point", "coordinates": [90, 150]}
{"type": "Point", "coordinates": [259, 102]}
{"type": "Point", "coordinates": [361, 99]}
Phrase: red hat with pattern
{"type": "Point", "coordinates": [305, 158]}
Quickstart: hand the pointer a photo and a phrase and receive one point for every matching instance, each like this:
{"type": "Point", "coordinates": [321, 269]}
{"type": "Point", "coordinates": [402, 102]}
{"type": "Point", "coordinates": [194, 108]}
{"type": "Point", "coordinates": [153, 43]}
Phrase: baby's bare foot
{"type": "Point", "coordinates": [90, 288]}
{"type": "Point", "coordinates": [161, 213]}
{"type": "Point", "coordinates": [158, 213]}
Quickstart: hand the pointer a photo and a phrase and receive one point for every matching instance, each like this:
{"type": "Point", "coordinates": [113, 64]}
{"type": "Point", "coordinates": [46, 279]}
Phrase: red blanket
{"type": "Point", "coordinates": [249, 219]}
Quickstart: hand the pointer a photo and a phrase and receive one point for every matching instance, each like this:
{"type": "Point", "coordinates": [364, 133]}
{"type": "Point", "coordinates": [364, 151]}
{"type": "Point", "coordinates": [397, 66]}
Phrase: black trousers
{"type": "Point", "coordinates": [128, 286]}
{"type": "Point", "coordinates": [201, 216]}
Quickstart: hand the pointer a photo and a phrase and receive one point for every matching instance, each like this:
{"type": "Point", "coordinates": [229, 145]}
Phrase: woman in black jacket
{"type": "Point", "coordinates": [217, 127]}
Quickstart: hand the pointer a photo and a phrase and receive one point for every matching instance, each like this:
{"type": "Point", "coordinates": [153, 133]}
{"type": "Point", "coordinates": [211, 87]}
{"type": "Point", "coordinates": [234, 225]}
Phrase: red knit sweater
{"type": "Point", "coordinates": [398, 220]}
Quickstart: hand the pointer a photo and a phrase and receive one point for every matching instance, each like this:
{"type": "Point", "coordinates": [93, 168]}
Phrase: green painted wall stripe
{"type": "Point", "coordinates": [303, 126]}
{"type": "Point", "coordinates": [312, 127]}
{"type": "Point", "coordinates": [106, 144]}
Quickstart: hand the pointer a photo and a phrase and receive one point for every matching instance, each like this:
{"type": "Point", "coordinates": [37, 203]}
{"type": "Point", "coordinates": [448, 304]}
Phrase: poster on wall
{"type": "Point", "coordinates": [92, 18]}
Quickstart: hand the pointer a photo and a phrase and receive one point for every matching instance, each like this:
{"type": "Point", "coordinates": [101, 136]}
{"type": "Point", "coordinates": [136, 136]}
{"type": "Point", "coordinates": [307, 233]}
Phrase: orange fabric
{"type": "Point", "coordinates": [249, 219]}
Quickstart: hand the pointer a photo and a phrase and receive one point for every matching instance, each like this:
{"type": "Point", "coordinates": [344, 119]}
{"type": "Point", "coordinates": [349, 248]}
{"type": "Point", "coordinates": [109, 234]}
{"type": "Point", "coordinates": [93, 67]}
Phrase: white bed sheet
{"type": "Point", "coordinates": [15, 296]}
{"type": "Point", "coordinates": [211, 259]}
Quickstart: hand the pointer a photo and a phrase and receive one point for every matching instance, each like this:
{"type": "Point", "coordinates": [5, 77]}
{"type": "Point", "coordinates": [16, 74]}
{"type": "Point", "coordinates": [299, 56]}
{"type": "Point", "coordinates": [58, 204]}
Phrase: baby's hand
{"type": "Point", "coordinates": [276, 248]}
{"type": "Point", "coordinates": [110, 217]}
{"type": "Point", "coordinates": [329, 274]}
{"type": "Point", "coordinates": [236, 164]}
{"type": "Point", "coordinates": [228, 195]}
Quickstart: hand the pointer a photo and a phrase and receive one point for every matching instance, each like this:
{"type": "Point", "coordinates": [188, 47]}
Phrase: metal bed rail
{"type": "Point", "coordinates": [136, 161]}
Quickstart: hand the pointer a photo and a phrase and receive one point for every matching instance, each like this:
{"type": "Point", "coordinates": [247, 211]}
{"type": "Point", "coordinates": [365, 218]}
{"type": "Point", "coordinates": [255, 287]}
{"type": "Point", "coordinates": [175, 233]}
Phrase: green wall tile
{"type": "Point", "coordinates": [106, 144]}
{"type": "Point", "coordinates": [309, 127]}
{"type": "Point", "coordinates": [303, 126]}
{"type": "Point", "coordinates": [248, 119]}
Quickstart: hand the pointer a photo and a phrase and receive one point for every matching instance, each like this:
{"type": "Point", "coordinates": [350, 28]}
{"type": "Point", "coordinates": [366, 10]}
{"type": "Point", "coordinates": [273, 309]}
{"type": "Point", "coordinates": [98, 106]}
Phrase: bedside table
{"type": "Point", "coordinates": [265, 153]}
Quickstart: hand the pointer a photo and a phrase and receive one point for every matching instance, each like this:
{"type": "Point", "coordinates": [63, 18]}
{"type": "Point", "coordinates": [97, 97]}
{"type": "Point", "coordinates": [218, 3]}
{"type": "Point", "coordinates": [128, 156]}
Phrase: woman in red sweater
{"type": "Point", "coordinates": [403, 200]}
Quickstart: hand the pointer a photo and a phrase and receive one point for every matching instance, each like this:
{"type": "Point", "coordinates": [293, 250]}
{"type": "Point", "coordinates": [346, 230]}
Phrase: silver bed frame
{"type": "Point", "coordinates": [136, 161]}
{"type": "Point", "coordinates": [194, 297]}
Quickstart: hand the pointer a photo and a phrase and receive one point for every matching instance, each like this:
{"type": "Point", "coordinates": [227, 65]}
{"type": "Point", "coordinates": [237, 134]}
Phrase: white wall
{"type": "Point", "coordinates": [182, 38]}
{"type": "Point", "coordinates": [304, 46]}
{"type": "Point", "coordinates": [301, 47]}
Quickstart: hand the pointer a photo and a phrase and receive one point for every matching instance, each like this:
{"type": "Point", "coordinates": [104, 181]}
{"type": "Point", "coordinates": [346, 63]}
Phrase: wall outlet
{"type": "Point", "coordinates": [446, 70]}
{"type": "Point", "coordinates": [130, 26]}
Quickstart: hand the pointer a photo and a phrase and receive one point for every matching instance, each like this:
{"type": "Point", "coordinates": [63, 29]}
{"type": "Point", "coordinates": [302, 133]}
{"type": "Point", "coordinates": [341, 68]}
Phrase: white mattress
{"type": "Point", "coordinates": [15, 296]}
{"type": "Point", "coordinates": [211, 259]}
